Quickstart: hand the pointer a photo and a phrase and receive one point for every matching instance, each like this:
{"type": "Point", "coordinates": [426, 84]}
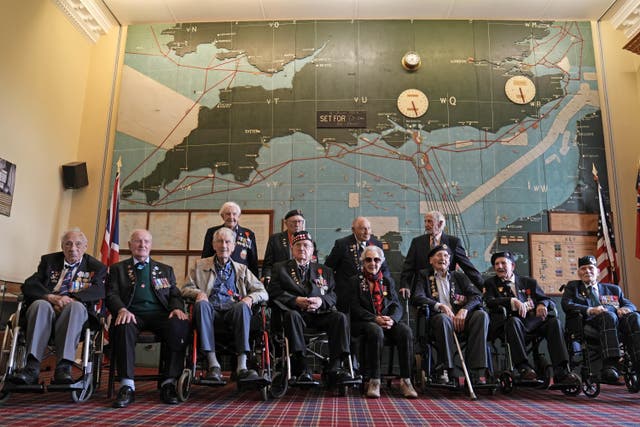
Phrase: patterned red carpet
{"type": "Point", "coordinates": [317, 407]}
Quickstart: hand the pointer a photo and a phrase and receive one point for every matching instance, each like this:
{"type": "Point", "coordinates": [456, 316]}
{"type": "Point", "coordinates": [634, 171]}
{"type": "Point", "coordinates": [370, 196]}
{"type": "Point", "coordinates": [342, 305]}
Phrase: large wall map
{"type": "Point", "coordinates": [211, 112]}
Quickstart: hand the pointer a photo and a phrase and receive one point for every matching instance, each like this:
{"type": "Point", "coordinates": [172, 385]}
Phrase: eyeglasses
{"type": "Point", "coordinates": [369, 259]}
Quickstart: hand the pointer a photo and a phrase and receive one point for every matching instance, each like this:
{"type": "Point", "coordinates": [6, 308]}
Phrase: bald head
{"type": "Point", "coordinates": [361, 228]}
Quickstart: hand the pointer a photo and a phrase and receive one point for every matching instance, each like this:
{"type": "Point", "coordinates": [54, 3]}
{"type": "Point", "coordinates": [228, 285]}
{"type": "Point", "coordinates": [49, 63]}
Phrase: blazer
{"type": "Point", "coordinates": [90, 275]}
{"type": "Point", "coordinates": [362, 307]}
{"type": "Point", "coordinates": [464, 293]}
{"type": "Point", "coordinates": [575, 298]}
{"type": "Point", "coordinates": [417, 260]}
{"type": "Point", "coordinates": [245, 252]}
{"type": "Point", "coordinates": [121, 283]}
{"type": "Point", "coordinates": [203, 275]}
{"type": "Point", "coordinates": [498, 294]}
{"type": "Point", "coordinates": [278, 250]}
{"type": "Point", "coordinates": [285, 289]}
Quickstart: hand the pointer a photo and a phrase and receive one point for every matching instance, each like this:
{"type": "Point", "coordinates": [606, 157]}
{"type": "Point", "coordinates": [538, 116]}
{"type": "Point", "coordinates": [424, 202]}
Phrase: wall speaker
{"type": "Point", "coordinates": [74, 175]}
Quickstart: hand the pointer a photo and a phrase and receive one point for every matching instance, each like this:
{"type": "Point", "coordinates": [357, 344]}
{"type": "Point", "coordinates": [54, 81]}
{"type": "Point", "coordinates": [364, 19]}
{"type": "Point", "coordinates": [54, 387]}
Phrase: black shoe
{"type": "Point", "coordinates": [304, 377]}
{"type": "Point", "coordinates": [26, 376]}
{"type": "Point", "coordinates": [478, 377]}
{"type": "Point", "coordinates": [341, 376]}
{"type": "Point", "coordinates": [168, 394]}
{"type": "Point", "coordinates": [248, 375]}
{"type": "Point", "coordinates": [126, 396]}
{"type": "Point", "coordinates": [609, 375]}
{"type": "Point", "coordinates": [566, 378]}
{"type": "Point", "coordinates": [214, 374]}
{"type": "Point", "coordinates": [62, 375]}
{"type": "Point", "coordinates": [527, 373]}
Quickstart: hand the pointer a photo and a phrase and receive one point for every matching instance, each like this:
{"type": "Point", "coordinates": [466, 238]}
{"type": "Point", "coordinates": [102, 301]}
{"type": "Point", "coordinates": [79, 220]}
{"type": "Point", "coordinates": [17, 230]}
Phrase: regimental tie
{"type": "Point", "coordinates": [66, 280]}
{"type": "Point", "coordinates": [593, 298]}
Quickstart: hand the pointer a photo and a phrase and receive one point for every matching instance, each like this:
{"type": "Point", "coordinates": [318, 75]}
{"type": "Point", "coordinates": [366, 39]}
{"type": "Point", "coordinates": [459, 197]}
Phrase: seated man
{"type": "Point", "coordinates": [375, 314]}
{"type": "Point", "coordinates": [526, 306]}
{"type": "Point", "coordinates": [604, 308]}
{"type": "Point", "coordinates": [142, 295]}
{"type": "Point", "coordinates": [60, 297]}
{"type": "Point", "coordinates": [305, 291]}
{"type": "Point", "coordinates": [454, 304]}
{"type": "Point", "coordinates": [224, 292]}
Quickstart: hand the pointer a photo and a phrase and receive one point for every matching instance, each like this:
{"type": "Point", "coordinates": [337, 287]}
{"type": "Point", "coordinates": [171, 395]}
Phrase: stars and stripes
{"type": "Point", "coordinates": [606, 249]}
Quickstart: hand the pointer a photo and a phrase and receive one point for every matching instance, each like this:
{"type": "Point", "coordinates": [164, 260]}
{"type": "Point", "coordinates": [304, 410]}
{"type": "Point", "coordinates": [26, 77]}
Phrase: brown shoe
{"type": "Point", "coordinates": [407, 389]}
{"type": "Point", "coordinates": [373, 390]}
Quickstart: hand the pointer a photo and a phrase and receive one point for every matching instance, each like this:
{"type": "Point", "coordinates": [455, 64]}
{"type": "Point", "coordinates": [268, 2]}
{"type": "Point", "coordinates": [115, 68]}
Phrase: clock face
{"type": "Point", "coordinates": [520, 89]}
{"type": "Point", "coordinates": [413, 103]}
{"type": "Point", "coordinates": [411, 61]}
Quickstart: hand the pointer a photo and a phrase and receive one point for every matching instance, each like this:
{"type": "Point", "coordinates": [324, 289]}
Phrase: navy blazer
{"type": "Point", "coordinates": [90, 275]}
{"type": "Point", "coordinates": [278, 250]}
{"type": "Point", "coordinates": [245, 252]}
{"type": "Point", "coordinates": [285, 286]}
{"type": "Point", "coordinates": [498, 294]}
{"type": "Point", "coordinates": [362, 307]}
{"type": "Point", "coordinates": [575, 298]}
{"type": "Point", "coordinates": [122, 282]}
{"type": "Point", "coordinates": [417, 260]}
{"type": "Point", "coordinates": [465, 294]}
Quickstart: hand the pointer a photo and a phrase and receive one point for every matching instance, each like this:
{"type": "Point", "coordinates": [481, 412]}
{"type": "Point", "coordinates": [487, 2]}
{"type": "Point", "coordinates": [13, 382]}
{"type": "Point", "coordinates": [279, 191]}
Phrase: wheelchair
{"type": "Point", "coordinates": [13, 357]}
{"type": "Point", "coordinates": [508, 378]}
{"type": "Point", "coordinates": [426, 362]}
{"type": "Point", "coordinates": [317, 344]}
{"type": "Point", "coordinates": [584, 350]}
{"type": "Point", "coordinates": [259, 357]}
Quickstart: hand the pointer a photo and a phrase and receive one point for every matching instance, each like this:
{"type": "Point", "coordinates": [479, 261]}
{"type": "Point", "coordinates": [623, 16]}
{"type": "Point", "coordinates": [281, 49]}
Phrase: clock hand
{"type": "Point", "coordinates": [521, 94]}
{"type": "Point", "coordinates": [415, 109]}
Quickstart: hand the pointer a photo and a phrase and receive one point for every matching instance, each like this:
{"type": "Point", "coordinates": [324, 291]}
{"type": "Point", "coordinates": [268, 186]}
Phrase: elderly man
{"type": "Point", "coordinates": [455, 305]}
{"type": "Point", "coordinates": [527, 308]}
{"type": "Point", "coordinates": [304, 291]}
{"type": "Point", "coordinates": [376, 314]}
{"type": "Point", "coordinates": [346, 259]}
{"type": "Point", "coordinates": [604, 308]}
{"type": "Point", "coordinates": [142, 295]}
{"type": "Point", "coordinates": [60, 297]}
{"type": "Point", "coordinates": [279, 246]}
{"type": "Point", "coordinates": [246, 250]}
{"type": "Point", "coordinates": [224, 291]}
{"type": "Point", "coordinates": [434, 236]}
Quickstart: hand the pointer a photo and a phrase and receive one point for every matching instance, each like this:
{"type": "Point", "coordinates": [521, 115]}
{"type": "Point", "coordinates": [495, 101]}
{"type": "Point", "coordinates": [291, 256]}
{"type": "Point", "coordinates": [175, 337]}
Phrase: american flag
{"type": "Point", "coordinates": [110, 249]}
{"type": "Point", "coordinates": [606, 247]}
{"type": "Point", "coordinates": [638, 214]}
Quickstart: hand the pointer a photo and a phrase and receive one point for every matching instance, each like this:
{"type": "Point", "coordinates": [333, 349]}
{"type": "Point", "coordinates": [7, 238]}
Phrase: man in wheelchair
{"type": "Point", "coordinates": [455, 306]}
{"type": "Point", "coordinates": [604, 308]}
{"type": "Point", "coordinates": [224, 292]}
{"type": "Point", "coordinates": [60, 297]}
{"type": "Point", "coordinates": [304, 292]}
{"type": "Point", "coordinates": [526, 306]}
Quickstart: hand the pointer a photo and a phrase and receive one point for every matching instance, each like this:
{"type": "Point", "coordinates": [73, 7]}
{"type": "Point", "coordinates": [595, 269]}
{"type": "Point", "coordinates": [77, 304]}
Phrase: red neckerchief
{"type": "Point", "coordinates": [376, 289]}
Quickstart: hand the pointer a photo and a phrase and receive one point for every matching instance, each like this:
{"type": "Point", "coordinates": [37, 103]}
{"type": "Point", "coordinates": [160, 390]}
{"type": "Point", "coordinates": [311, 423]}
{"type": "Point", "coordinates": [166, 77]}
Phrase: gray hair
{"type": "Point", "coordinates": [372, 248]}
{"type": "Point", "coordinates": [230, 205]}
{"type": "Point", "coordinates": [224, 231]}
{"type": "Point", "coordinates": [437, 216]}
{"type": "Point", "coordinates": [73, 230]}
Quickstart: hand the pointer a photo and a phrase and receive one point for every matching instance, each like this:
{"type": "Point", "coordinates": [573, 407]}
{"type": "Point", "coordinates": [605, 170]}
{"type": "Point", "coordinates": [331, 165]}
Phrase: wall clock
{"type": "Point", "coordinates": [413, 103]}
{"type": "Point", "coordinates": [520, 89]}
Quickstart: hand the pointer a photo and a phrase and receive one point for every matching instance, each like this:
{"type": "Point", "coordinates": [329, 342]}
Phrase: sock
{"type": "Point", "coordinates": [128, 382]}
{"type": "Point", "coordinates": [212, 359]}
{"type": "Point", "coordinates": [242, 362]}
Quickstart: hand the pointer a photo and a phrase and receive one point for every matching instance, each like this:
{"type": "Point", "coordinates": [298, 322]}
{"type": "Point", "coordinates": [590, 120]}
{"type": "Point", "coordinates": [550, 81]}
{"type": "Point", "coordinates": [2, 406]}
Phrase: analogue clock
{"type": "Point", "coordinates": [413, 103]}
{"type": "Point", "coordinates": [411, 61]}
{"type": "Point", "coordinates": [520, 89]}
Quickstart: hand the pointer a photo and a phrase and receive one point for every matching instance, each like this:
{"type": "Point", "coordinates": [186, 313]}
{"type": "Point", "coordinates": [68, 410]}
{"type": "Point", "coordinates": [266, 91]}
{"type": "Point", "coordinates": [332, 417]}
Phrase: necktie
{"type": "Point", "coordinates": [593, 298]}
{"type": "Point", "coordinates": [140, 265]}
{"type": "Point", "coordinates": [377, 297]}
{"type": "Point", "coordinates": [302, 269]}
{"type": "Point", "coordinates": [66, 280]}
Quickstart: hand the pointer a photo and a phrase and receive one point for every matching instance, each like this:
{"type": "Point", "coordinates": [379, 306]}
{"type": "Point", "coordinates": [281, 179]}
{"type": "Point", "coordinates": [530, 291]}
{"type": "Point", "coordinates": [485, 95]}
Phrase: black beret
{"type": "Point", "coordinates": [505, 254]}
{"type": "Point", "coordinates": [439, 248]}
{"type": "Point", "coordinates": [587, 260]}
{"type": "Point", "coordinates": [293, 212]}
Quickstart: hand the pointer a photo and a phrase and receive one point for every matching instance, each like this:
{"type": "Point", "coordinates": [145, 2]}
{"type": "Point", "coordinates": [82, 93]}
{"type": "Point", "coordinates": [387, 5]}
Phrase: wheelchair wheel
{"type": "Point", "coordinates": [278, 385]}
{"type": "Point", "coordinates": [572, 391]}
{"type": "Point", "coordinates": [184, 385]}
{"type": "Point", "coordinates": [632, 382]}
{"type": "Point", "coordinates": [82, 395]}
{"type": "Point", "coordinates": [505, 380]}
{"type": "Point", "coordinates": [591, 388]}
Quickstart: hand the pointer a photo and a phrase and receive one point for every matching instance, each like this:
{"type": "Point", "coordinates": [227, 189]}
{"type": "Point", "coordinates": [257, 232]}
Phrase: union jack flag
{"type": "Point", "coordinates": [110, 249]}
{"type": "Point", "coordinates": [638, 214]}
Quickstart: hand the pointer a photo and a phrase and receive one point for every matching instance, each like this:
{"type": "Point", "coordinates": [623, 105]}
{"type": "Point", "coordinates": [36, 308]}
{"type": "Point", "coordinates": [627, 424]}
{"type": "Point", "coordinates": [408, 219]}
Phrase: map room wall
{"type": "Point", "coordinates": [40, 134]}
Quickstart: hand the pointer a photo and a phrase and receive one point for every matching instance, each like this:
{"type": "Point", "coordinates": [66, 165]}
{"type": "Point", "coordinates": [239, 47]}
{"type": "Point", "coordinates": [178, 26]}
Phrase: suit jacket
{"type": "Point", "coordinates": [463, 293]}
{"type": "Point", "coordinates": [575, 298]}
{"type": "Point", "coordinates": [417, 260]}
{"type": "Point", "coordinates": [121, 283]}
{"type": "Point", "coordinates": [90, 277]}
{"type": "Point", "coordinates": [362, 307]}
{"type": "Point", "coordinates": [498, 294]}
{"type": "Point", "coordinates": [278, 250]}
{"type": "Point", "coordinates": [203, 275]}
{"type": "Point", "coordinates": [285, 285]}
{"type": "Point", "coordinates": [246, 251]}
{"type": "Point", "coordinates": [345, 262]}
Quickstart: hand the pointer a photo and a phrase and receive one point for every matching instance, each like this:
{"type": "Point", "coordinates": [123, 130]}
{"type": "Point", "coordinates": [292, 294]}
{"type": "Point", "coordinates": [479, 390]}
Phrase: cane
{"type": "Point", "coordinates": [472, 395]}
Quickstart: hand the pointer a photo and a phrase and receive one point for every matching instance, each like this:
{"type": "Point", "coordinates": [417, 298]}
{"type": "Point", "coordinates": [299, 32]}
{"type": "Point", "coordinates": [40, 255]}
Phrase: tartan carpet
{"type": "Point", "coordinates": [317, 407]}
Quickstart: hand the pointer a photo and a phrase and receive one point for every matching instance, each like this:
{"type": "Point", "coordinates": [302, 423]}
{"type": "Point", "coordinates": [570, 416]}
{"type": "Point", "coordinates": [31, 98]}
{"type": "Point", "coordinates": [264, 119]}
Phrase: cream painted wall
{"type": "Point", "coordinates": [619, 78]}
{"type": "Point", "coordinates": [54, 100]}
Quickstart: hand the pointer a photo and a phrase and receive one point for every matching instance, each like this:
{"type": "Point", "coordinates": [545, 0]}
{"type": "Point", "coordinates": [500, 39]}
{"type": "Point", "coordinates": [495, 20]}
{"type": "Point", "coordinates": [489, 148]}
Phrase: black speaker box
{"type": "Point", "coordinates": [74, 175]}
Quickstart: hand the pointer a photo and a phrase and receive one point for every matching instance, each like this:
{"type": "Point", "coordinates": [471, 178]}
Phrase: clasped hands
{"type": "Point", "coordinates": [308, 304]}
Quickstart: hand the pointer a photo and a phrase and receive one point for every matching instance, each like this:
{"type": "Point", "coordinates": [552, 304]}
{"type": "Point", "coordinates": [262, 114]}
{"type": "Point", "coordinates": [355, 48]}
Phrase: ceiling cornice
{"type": "Point", "coordinates": [87, 16]}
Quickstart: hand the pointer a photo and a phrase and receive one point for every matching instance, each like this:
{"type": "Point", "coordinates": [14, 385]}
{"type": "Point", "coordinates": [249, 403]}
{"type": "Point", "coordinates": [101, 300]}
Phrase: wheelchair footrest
{"type": "Point", "coordinates": [78, 385]}
{"type": "Point", "coordinates": [296, 383]}
{"type": "Point", "coordinates": [213, 383]}
{"type": "Point", "coordinates": [256, 383]}
{"type": "Point", "coordinates": [23, 388]}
